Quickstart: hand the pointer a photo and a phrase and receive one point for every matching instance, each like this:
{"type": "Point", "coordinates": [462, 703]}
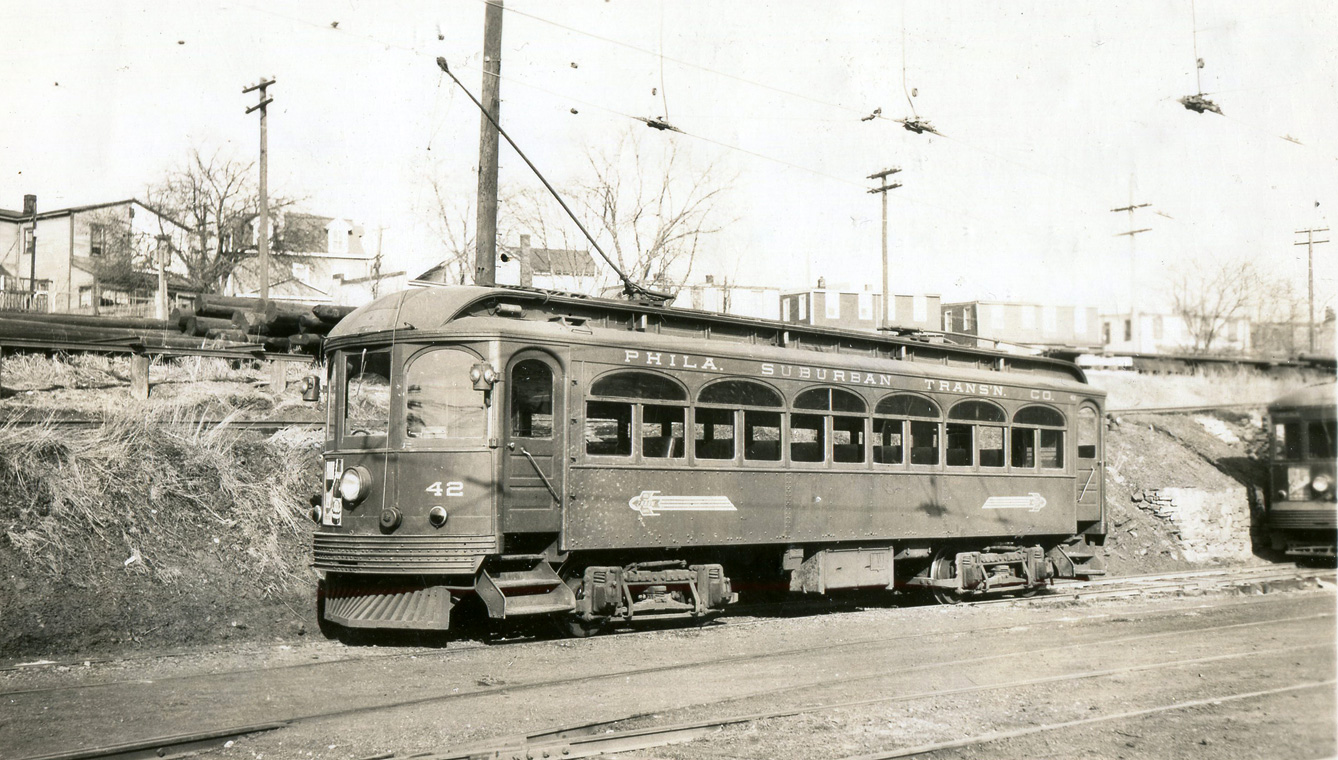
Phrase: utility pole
{"type": "Point", "coordinates": [883, 315]}
{"type": "Point", "coordinates": [30, 211]}
{"type": "Point", "coordinates": [263, 242]}
{"type": "Point", "coordinates": [1310, 242]}
{"type": "Point", "coordinates": [1135, 332]}
{"type": "Point", "coordinates": [485, 259]}
{"type": "Point", "coordinates": [161, 256]}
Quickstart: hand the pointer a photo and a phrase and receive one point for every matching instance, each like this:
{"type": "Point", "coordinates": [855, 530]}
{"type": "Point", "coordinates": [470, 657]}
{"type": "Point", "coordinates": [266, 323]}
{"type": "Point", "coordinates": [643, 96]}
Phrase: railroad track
{"type": "Point", "coordinates": [166, 746]}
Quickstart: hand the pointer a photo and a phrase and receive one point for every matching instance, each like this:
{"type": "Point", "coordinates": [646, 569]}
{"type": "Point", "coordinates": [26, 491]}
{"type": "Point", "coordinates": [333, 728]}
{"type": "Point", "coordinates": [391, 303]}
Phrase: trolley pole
{"type": "Point", "coordinates": [485, 259]}
{"type": "Point", "coordinates": [884, 319]}
{"type": "Point", "coordinates": [1134, 332]}
{"type": "Point", "coordinates": [1310, 242]}
{"type": "Point", "coordinates": [263, 242]}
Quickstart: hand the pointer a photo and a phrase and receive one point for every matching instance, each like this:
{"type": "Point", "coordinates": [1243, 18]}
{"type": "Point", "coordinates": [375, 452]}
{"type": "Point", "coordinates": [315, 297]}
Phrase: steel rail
{"type": "Point", "coordinates": [596, 738]}
{"type": "Point", "coordinates": [1001, 735]}
{"type": "Point", "coordinates": [180, 745]}
{"type": "Point", "coordinates": [158, 743]}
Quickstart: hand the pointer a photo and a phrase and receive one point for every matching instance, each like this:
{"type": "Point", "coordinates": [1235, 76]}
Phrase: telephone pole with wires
{"type": "Point", "coordinates": [1310, 242]}
{"type": "Point", "coordinates": [883, 318]}
{"type": "Point", "coordinates": [485, 258]}
{"type": "Point", "coordinates": [1135, 334]}
{"type": "Point", "coordinates": [263, 235]}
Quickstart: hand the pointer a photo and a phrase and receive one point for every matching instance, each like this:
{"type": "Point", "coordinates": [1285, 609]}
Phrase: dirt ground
{"type": "Point", "coordinates": [129, 537]}
{"type": "Point", "coordinates": [892, 677]}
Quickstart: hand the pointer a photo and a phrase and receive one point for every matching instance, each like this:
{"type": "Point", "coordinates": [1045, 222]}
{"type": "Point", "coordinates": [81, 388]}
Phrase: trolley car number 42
{"type": "Point", "coordinates": [453, 488]}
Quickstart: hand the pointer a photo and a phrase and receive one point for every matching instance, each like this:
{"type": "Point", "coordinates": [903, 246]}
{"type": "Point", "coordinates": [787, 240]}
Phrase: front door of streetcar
{"type": "Point", "coordinates": [532, 456]}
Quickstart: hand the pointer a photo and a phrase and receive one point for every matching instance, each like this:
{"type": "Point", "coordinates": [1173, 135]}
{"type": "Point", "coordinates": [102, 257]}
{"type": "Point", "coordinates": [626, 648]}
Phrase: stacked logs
{"type": "Point", "coordinates": [276, 325]}
{"type": "Point", "coordinates": [213, 321]}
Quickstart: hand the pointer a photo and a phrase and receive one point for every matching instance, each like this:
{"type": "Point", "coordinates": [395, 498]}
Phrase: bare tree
{"type": "Point", "coordinates": [650, 209]}
{"type": "Point", "coordinates": [453, 220]}
{"type": "Point", "coordinates": [216, 199]}
{"type": "Point", "coordinates": [1208, 298]}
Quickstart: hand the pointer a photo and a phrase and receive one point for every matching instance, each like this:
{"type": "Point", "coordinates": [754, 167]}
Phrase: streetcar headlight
{"type": "Point", "coordinates": [353, 484]}
{"type": "Point", "coordinates": [1321, 483]}
{"type": "Point", "coordinates": [437, 516]}
{"type": "Point", "coordinates": [315, 514]}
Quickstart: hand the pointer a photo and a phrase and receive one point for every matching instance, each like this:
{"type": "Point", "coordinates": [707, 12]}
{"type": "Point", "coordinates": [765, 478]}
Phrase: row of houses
{"type": "Point", "coordinates": [75, 262]}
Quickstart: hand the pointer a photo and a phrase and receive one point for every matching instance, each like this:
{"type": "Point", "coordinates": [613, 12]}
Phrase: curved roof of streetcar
{"type": "Point", "coordinates": [425, 310]}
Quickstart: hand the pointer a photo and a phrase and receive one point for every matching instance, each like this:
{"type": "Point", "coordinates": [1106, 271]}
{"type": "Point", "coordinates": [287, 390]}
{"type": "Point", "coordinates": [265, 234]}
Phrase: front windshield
{"type": "Point", "coordinates": [440, 398]}
{"type": "Point", "coordinates": [366, 392]}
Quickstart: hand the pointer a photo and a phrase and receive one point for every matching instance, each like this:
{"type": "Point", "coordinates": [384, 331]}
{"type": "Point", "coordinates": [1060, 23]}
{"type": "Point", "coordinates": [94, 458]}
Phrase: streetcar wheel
{"type": "Point", "coordinates": [944, 567]}
{"type": "Point", "coordinates": [572, 625]}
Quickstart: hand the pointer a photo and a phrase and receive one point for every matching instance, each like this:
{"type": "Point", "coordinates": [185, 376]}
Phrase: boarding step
{"type": "Point", "coordinates": [1077, 560]}
{"type": "Point", "coordinates": [526, 585]}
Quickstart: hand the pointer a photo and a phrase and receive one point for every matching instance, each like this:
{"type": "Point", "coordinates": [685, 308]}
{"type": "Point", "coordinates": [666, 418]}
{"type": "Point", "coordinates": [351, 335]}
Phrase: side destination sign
{"type": "Point", "coordinates": [671, 360]}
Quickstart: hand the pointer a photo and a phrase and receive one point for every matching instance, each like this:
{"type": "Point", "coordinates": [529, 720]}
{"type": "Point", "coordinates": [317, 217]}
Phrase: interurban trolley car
{"type": "Point", "coordinates": [1302, 517]}
{"type": "Point", "coordinates": [607, 462]}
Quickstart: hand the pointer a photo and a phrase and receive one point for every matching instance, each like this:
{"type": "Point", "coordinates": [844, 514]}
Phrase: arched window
{"type": "Point", "coordinates": [609, 424]}
{"type": "Point", "coordinates": [739, 393]}
{"type": "Point", "coordinates": [638, 385]}
{"type": "Point", "coordinates": [440, 399]}
{"type": "Point", "coordinates": [907, 405]}
{"type": "Point", "coordinates": [902, 419]}
{"type": "Point", "coordinates": [829, 400]}
{"type": "Point", "coordinates": [531, 399]}
{"type": "Point", "coordinates": [1038, 437]}
{"type": "Point", "coordinates": [971, 441]}
{"type": "Point", "coordinates": [1089, 433]}
{"type": "Point", "coordinates": [978, 411]}
{"type": "Point", "coordinates": [714, 427]}
{"type": "Point", "coordinates": [809, 432]}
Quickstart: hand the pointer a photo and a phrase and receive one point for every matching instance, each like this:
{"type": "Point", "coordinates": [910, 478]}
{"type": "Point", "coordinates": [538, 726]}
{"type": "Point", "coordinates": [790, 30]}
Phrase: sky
{"type": "Point", "coordinates": [1051, 115]}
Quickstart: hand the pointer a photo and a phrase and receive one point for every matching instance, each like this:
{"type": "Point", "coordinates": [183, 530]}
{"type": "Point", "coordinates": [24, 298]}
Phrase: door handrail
{"type": "Point", "coordinates": [538, 472]}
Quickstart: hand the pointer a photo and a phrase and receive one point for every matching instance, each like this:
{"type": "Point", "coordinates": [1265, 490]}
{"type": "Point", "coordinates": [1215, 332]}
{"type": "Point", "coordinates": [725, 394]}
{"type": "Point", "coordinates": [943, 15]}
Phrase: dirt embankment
{"type": "Point", "coordinates": [136, 534]}
{"type": "Point", "coordinates": [140, 533]}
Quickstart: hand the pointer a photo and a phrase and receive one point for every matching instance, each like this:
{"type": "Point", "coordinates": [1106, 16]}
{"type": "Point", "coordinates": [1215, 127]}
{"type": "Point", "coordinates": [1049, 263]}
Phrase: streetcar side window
{"type": "Point", "coordinates": [889, 435]}
{"type": "Point", "coordinates": [1024, 447]}
{"type": "Point", "coordinates": [924, 442]}
{"type": "Point", "coordinates": [662, 431]}
{"type": "Point", "coordinates": [888, 441]}
{"type": "Point", "coordinates": [1042, 440]}
{"type": "Point", "coordinates": [366, 394]}
{"type": "Point", "coordinates": [713, 433]}
{"type": "Point", "coordinates": [809, 432]}
{"type": "Point", "coordinates": [661, 428]}
{"type": "Point", "coordinates": [608, 428]}
{"type": "Point", "coordinates": [716, 436]}
{"type": "Point", "coordinates": [970, 442]}
{"type": "Point", "coordinates": [531, 400]}
{"type": "Point", "coordinates": [1320, 437]}
{"type": "Point", "coordinates": [440, 400]}
{"type": "Point", "coordinates": [806, 439]}
{"type": "Point", "coordinates": [761, 435]}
